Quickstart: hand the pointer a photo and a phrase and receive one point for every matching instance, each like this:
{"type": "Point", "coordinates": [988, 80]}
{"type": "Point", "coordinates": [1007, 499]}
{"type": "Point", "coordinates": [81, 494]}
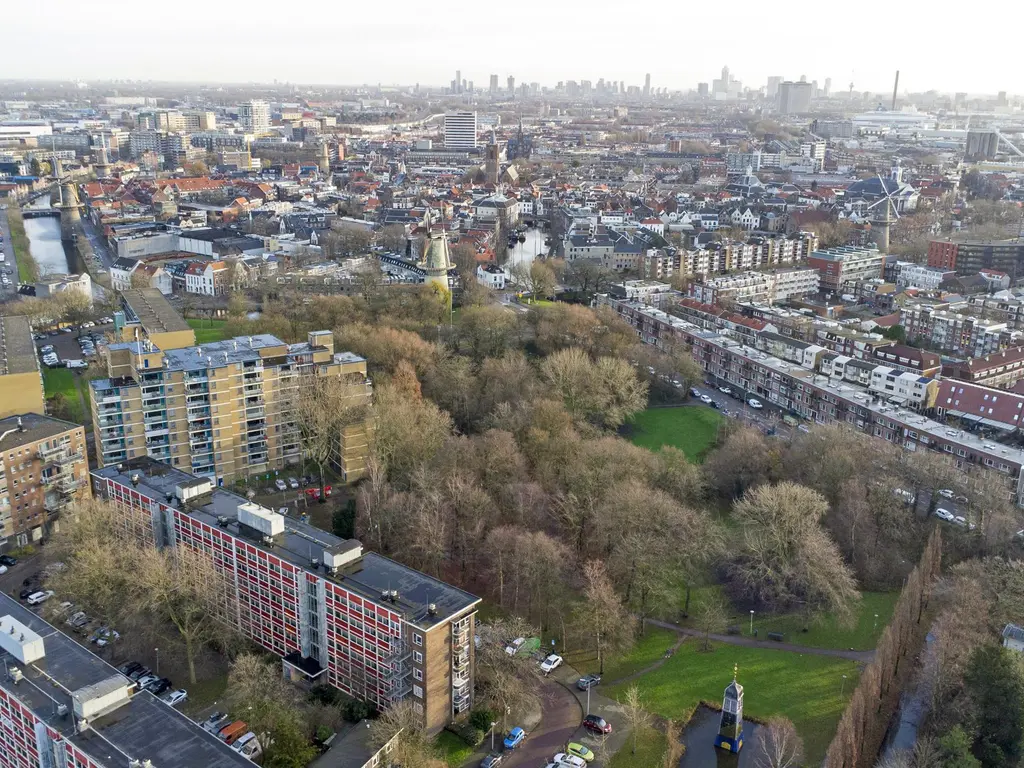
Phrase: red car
{"type": "Point", "coordinates": [314, 493]}
{"type": "Point", "coordinates": [597, 724]}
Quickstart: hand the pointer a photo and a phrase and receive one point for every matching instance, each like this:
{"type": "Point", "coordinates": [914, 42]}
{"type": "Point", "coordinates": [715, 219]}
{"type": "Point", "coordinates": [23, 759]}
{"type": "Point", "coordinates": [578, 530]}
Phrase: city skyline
{"type": "Point", "coordinates": [347, 51]}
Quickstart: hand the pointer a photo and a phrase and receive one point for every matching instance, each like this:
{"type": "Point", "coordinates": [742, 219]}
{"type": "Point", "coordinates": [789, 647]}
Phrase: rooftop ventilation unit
{"type": "Point", "coordinates": [20, 641]}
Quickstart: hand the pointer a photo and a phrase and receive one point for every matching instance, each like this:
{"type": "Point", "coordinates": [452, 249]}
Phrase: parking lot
{"type": "Point", "coordinates": [67, 343]}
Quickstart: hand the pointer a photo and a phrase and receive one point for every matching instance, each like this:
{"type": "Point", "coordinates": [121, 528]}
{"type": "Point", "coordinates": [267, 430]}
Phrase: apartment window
{"type": "Point", "coordinates": [417, 691]}
{"type": "Point", "coordinates": [417, 673]}
{"type": "Point", "coordinates": [417, 657]}
{"type": "Point", "coordinates": [417, 638]}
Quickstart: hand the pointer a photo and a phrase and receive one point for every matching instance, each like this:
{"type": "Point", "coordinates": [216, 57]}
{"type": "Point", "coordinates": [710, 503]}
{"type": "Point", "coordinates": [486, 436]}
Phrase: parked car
{"type": "Point", "coordinates": [755, 404]}
{"type": "Point", "coordinates": [514, 738]}
{"type": "Point", "coordinates": [146, 679]}
{"type": "Point", "coordinates": [73, 364]}
{"type": "Point", "coordinates": [158, 686]}
{"type": "Point", "coordinates": [280, 485]}
{"type": "Point", "coordinates": [551, 663]}
{"type": "Point", "coordinates": [233, 731]}
{"type": "Point", "coordinates": [139, 673]}
{"type": "Point", "coordinates": [214, 722]}
{"type": "Point", "coordinates": [578, 750]}
{"type": "Point", "coordinates": [46, 349]}
{"type": "Point", "coordinates": [493, 760]}
{"type": "Point", "coordinates": [944, 514]}
{"type": "Point", "coordinates": [695, 392]}
{"type": "Point", "coordinates": [588, 681]}
{"type": "Point", "coordinates": [78, 619]}
{"type": "Point", "coordinates": [706, 400]}
{"type": "Point", "coordinates": [248, 746]}
{"type": "Point", "coordinates": [946, 493]}
{"type": "Point", "coordinates": [314, 493]}
{"type": "Point", "coordinates": [131, 666]}
{"type": "Point", "coordinates": [512, 648]}
{"type": "Point", "coordinates": [597, 724]}
{"type": "Point", "coordinates": [725, 390]}
{"type": "Point", "coordinates": [38, 598]}
{"type": "Point", "coordinates": [293, 483]}
{"type": "Point", "coordinates": [571, 761]}
{"type": "Point", "coordinates": [174, 698]}
{"type": "Point", "coordinates": [3, 569]}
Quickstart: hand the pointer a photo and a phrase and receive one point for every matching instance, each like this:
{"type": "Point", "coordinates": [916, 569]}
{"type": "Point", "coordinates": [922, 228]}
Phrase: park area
{"type": "Point", "coordinates": [73, 391]}
{"type": "Point", "coordinates": [207, 330]}
{"type": "Point", "coordinates": [693, 429]}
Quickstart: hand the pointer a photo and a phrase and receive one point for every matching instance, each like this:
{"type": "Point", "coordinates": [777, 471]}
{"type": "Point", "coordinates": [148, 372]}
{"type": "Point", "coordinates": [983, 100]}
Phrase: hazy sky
{"type": "Point", "coordinates": [399, 41]}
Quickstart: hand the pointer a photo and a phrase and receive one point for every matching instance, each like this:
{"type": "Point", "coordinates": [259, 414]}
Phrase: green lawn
{"type": "Point", "coordinates": [692, 429]}
{"type": "Point", "coordinates": [651, 744]}
{"type": "Point", "coordinates": [647, 651]}
{"type": "Point", "coordinates": [204, 693]}
{"type": "Point", "coordinates": [804, 688]}
{"type": "Point", "coordinates": [63, 381]}
{"type": "Point", "coordinates": [452, 749]}
{"type": "Point", "coordinates": [207, 330]}
{"type": "Point", "coordinates": [27, 267]}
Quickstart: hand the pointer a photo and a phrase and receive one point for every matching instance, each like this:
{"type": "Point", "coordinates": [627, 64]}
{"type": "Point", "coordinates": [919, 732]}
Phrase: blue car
{"type": "Point", "coordinates": [515, 738]}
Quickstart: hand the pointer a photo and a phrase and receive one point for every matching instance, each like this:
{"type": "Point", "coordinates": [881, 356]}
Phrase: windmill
{"type": "Point", "coordinates": [885, 222]}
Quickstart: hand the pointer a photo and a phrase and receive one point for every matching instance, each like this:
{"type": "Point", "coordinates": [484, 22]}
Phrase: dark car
{"type": "Point", "coordinates": [597, 724]}
{"type": "Point", "coordinates": [158, 687]}
{"type": "Point", "coordinates": [8, 560]}
{"type": "Point", "coordinates": [588, 681]}
{"type": "Point", "coordinates": [493, 760]}
{"type": "Point", "coordinates": [27, 591]}
{"type": "Point", "coordinates": [131, 666]}
{"type": "Point", "coordinates": [142, 671]}
{"type": "Point", "coordinates": [715, 404]}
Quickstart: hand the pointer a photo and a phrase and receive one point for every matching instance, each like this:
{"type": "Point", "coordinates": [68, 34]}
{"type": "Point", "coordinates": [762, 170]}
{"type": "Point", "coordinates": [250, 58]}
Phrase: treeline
{"type": "Point", "coordinates": [863, 725]}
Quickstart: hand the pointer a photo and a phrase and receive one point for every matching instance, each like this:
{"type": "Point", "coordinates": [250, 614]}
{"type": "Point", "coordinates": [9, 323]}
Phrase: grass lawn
{"type": "Point", "coordinates": [64, 381]}
{"type": "Point", "coordinates": [804, 688]}
{"type": "Point", "coordinates": [204, 693]}
{"type": "Point", "coordinates": [207, 330]}
{"type": "Point", "coordinates": [692, 429]}
{"type": "Point", "coordinates": [453, 750]}
{"type": "Point", "coordinates": [27, 267]}
{"type": "Point", "coordinates": [648, 649]}
{"type": "Point", "coordinates": [650, 750]}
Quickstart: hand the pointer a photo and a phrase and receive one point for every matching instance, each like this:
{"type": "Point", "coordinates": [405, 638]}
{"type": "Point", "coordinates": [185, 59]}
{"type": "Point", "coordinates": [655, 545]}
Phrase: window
{"type": "Point", "coordinates": [417, 638]}
{"type": "Point", "coordinates": [417, 673]}
{"type": "Point", "coordinates": [417, 657]}
{"type": "Point", "coordinates": [417, 691]}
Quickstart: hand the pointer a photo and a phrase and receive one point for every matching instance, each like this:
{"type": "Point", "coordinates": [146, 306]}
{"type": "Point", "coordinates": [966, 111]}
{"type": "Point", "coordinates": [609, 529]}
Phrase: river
{"type": "Point", "coordinates": [44, 241]}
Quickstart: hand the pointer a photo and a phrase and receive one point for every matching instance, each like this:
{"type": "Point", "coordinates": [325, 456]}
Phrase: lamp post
{"type": "Point", "coordinates": [157, 660]}
{"type": "Point", "coordinates": [492, 734]}
{"type": "Point", "coordinates": [875, 628]}
{"type": "Point", "coordinates": [591, 685]}
{"type": "Point", "coordinates": [842, 687]}
{"type": "Point", "coordinates": [751, 621]}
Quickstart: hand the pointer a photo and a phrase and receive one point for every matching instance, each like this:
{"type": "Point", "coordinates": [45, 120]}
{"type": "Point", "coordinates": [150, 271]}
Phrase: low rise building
{"type": "Point", "coordinates": [21, 382]}
{"type": "Point", "coordinates": [493, 276]}
{"type": "Point", "coordinates": [922, 276]}
{"type": "Point", "coordinates": [51, 285]}
{"type": "Point", "coordinates": [1000, 370]}
{"type": "Point", "coordinates": [63, 707]}
{"type": "Point", "coordinates": [373, 628]}
{"type": "Point", "coordinates": [43, 468]}
{"type": "Point", "coordinates": [846, 264]}
{"type": "Point", "coordinates": [146, 314]}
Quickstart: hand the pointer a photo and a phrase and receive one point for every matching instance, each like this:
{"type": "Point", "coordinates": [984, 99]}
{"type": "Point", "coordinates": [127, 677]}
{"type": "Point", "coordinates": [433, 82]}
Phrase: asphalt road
{"type": "Point", "coordinates": [560, 723]}
{"type": "Point", "coordinates": [766, 418]}
{"type": "Point", "coordinates": [11, 291]}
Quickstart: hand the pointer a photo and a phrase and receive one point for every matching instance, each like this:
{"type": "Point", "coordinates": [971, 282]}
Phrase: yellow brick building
{"type": "Point", "coordinates": [21, 383]}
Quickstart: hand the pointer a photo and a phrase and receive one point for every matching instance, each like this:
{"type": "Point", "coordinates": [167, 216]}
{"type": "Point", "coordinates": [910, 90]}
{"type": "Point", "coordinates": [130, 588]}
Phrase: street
{"type": "Point", "coordinates": [561, 716]}
{"type": "Point", "coordinates": [10, 267]}
{"type": "Point", "coordinates": [734, 406]}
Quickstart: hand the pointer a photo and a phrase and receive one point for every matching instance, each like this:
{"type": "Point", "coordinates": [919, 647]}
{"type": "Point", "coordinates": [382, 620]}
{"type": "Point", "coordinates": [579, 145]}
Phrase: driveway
{"type": "Point", "coordinates": [561, 716]}
{"type": "Point", "coordinates": [604, 747]}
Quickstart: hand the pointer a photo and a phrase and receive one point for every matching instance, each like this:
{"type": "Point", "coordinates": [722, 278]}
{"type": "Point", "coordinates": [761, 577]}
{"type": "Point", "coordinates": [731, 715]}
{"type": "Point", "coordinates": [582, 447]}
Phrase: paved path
{"type": "Point", "coordinates": [668, 654]}
{"type": "Point", "coordinates": [861, 657]}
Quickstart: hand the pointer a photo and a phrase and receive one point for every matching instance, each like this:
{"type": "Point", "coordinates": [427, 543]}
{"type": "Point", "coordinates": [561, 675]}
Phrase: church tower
{"type": "Point", "coordinates": [101, 165]}
{"type": "Point", "coordinates": [730, 731]}
{"type": "Point", "coordinates": [325, 158]}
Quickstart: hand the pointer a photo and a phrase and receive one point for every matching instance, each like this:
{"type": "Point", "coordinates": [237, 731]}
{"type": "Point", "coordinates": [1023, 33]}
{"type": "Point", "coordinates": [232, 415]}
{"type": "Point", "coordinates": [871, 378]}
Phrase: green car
{"type": "Point", "coordinates": [578, 750]}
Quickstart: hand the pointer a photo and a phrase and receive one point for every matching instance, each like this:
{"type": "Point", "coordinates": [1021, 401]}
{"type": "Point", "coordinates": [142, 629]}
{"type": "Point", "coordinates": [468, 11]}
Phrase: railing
{"type": "Point", "coordinates": [47, 452]}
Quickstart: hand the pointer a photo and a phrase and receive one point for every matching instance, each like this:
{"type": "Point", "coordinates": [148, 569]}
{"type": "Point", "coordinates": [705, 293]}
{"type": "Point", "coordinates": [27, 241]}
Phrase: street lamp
{"type": "Point", "coordinates": [157, 660]}
{"type": "Point", "coordinates": [492, 734]}
{"type": "Point", "coordinates": [589, 686]}
{"type": "Point", "coordinates": [875, 628]}
{"type": "Point", "coordinates": [842, 687]}
{"type": "Point", "coordinates": [751, 621]}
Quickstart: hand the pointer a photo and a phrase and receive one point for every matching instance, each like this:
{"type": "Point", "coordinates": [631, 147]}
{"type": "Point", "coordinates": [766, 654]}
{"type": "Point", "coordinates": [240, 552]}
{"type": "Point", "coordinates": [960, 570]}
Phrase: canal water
{"type": "Point", "coordinates": [45, 244]}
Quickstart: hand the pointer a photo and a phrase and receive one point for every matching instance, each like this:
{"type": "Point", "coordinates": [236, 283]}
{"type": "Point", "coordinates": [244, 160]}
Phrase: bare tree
{"type": "Point", "coordinates": [779, 745]}
{"type": "Point", "coordinates": [507, 682]}
{"type": "Point", "coordinates": [325, 406]}
{"type": "Point", "coordinates": [602, 613]}
{"type": "Point", "coordinates": [712, 615]}
{"type": "Point", "coordinates": [633, 709]}
{"type": "Point", "coordinates": [412, 748]}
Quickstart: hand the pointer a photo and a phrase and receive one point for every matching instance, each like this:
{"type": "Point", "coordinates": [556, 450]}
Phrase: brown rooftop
{"type": "Point", "coordinates": [153, 311]}
{"type": "Point", "coordinates": [31, 428]}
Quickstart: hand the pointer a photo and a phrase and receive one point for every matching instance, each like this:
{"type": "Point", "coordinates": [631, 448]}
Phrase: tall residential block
{"type": "Point", "coordinates": [460, 130]}
{"type": "Point", "coordinates": [21, 383]}
{"type": "Point", "coordinates": [223, 410]}
{"type": "Point", "coordinates": [794, 98]}
{"type": "Point", "coordinates": [43, 468]}
{"type": "Point", "coordinates": [373, 628]}
{"type": "Point", "coordinates": [254, 116]}
{"type": "Point", "coordinates": [63, 707]}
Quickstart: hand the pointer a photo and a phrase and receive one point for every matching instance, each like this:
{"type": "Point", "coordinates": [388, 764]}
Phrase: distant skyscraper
{"type": "Point", "coordinates": [773, 86]}
{"type": "Point", "coordinates": [511, 84]}
{"type": "Point", "coordinates": [828, 87]}
{"type": "Point", "coordinates": [794, 98]}
{"type": "Point", "coordinates": [458, 80]}
{"type": "Point", "coordinates": [494, 84]}
{"type": "Point", "coordinates": [702, 90]}
{"type": "Point", "coordinates": [254, 116]}
{"type": "Point", "coordinates": [460, 130]}
{"type": "Point", "coordinates": [647, 85]}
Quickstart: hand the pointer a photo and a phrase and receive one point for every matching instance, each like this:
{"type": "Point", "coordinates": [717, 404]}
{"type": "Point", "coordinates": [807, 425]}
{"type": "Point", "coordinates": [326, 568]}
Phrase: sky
{"type": "Point", "coordinates": [404, 42]}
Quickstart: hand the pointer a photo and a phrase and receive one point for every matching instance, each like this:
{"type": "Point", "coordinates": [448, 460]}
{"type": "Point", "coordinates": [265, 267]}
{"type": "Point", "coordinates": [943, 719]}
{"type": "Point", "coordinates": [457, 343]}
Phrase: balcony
{"type": "Point", "coordinates": [254, 411]}
{"type": "Point", "coordinates": [197, 413]}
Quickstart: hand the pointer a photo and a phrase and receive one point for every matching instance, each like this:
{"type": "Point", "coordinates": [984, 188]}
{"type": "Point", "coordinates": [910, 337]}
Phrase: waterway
{"type": "Point", "coordinates": [699, 738]}
{"type": "Point", "coordinates": [45, 244]}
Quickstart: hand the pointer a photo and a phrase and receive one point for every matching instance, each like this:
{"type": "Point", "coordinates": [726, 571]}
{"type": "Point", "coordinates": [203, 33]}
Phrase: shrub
{"type": "Point", "coordinates": [467, 732]}
{"type": "Point", "coordinates": [354, 711]}
{"type": "Point", "coordinates": [325, 694]}
{"type": "Point", "coordinates": [323, 733]}
{"type": "Point", "coordinates": [481, 719]}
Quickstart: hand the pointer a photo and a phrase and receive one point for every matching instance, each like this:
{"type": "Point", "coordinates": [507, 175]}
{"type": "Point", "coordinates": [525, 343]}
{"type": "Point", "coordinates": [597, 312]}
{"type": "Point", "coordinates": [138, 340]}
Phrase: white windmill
{"type": "Point", "coordinates": [882, 224]}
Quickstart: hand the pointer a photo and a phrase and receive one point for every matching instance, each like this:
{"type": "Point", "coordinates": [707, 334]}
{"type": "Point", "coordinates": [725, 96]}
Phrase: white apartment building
{"type": "Point", "coordinates": [921, 276]}
{"type": "Point", "coordinates": [254, 116]}
{"type": "Point", "coordinates": [493, 276]}
{"type": "Point", "coordinates": [460, 130]}
{"type": "Point", "coordinates": [767, 287]}
{"type": "Point", "coordinates": [900, 387]}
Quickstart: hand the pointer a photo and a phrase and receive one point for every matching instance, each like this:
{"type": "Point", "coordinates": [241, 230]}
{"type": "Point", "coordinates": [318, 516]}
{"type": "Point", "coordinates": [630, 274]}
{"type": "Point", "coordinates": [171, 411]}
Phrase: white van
{"type": "Point", "coordinates": [76, 364]}
{"type": "Point", "coordinates": [37, 598]}
{"type": "Point", "coordinates": [248, 746]}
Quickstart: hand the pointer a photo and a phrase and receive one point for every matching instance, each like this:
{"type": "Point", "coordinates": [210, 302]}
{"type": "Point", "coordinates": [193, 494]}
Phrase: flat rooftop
{"type": "Point", "coordinates": [153, 311]}
{"type": "Point", "coordinates": [17, 352]}
{"type": "Point", "coordinates": [142, 728]}
{"type": "Point", "coordinates": [301, 544]}
{"type": "Point", "coordinates": [31, 428]}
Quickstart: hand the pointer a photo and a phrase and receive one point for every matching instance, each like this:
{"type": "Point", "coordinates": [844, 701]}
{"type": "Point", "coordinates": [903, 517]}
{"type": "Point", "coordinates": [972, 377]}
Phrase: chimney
{"type": "Point", "coordinates": [135, 479]}
{"type": "Point", "coordinates": [21, 427]}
